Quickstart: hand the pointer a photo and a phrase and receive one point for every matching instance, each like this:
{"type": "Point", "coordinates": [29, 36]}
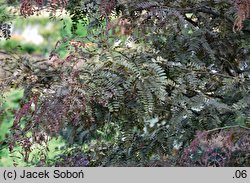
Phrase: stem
{"type": "Point", "coordinates": [209, 73]}
{"type": "Point", "coordinates": [228, 127]}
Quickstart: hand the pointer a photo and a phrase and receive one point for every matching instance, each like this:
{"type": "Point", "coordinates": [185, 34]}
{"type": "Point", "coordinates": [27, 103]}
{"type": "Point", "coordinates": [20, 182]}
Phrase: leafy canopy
{"type": "Point", "coordinates": [145, 79]}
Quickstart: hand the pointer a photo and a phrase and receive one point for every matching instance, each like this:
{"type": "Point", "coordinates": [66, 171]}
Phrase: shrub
{"type": "Point", "coordinates": [151, 91]}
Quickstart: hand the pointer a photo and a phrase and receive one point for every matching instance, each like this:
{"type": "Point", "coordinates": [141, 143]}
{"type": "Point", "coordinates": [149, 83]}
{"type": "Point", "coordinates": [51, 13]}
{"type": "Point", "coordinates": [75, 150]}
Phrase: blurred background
{"type": "Point", "coordinates": [35, 36]}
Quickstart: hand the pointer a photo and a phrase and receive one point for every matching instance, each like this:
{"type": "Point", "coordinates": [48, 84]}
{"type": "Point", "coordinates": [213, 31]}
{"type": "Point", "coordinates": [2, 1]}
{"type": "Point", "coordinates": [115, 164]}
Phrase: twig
{"type": "Point", "coordinates": [210, 73]}
{"type": "Point", "coordinates": [228, 127]}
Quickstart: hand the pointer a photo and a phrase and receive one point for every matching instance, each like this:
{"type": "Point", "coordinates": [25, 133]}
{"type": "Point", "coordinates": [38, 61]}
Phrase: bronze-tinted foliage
{"type": "Point", "coordinates": [219, 149]}
{"type": "Point", "coordinates": [243, 10]}
{"type": "Point", "coordinates": [31, 7]}
{"type": "Point", "coordinates": [180, 70]}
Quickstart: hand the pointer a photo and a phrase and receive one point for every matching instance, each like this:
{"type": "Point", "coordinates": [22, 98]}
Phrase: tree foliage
{"type": "Point", "coordinates": [137, 88]}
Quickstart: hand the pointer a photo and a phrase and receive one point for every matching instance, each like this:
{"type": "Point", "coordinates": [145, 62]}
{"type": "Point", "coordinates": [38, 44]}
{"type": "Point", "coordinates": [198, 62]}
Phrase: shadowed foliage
{"type": "Point", "coordinates": [152, 82]}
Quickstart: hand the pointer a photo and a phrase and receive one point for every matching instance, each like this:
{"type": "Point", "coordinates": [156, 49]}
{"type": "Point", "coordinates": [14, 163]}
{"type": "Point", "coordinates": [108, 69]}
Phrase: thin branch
{"type": "Point", "coordinates": [201, 9]}
{"type": "Point", "coordinates": [228, 127]}
{"type": "Point", "coordinates": [210, 73]}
